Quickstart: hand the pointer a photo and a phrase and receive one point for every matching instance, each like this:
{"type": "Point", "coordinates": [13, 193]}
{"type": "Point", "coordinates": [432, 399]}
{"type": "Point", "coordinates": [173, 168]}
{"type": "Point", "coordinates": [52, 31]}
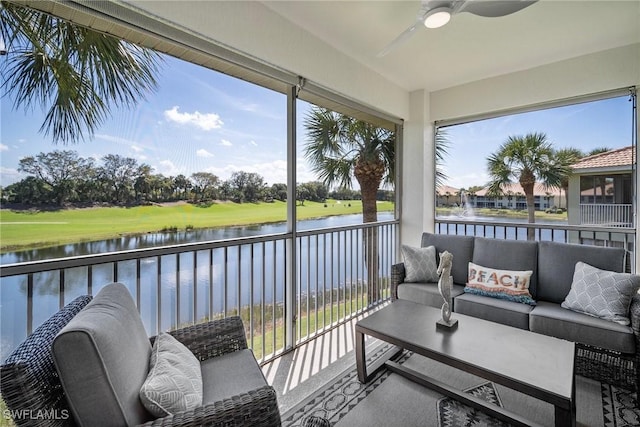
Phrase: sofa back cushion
{"type": "Point", "coordinates": [557, 263]}
{"type": "Point", "coordinates": [461, 247]}
{"type": "Point", "coordinates": [102, 356]}
{"type": "Point", "coordinates": [518, 255]}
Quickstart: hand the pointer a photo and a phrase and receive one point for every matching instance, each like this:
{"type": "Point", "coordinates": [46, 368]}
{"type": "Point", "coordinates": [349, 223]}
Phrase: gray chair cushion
{"type": "Point", "coordinates": [557, 263]}
{"type": "Point", "coordinates": [493, 309]}
{"type": "Point", "coordinates": [426, 293]}
{"type": "Point", "coordinates": [550, 319]}
{"type": "Point", "coordinates": [102, 356]}
{"type": "Point", "coordinates": [460, 246]}
{"type": "Point", "coordinates": [229, 375]}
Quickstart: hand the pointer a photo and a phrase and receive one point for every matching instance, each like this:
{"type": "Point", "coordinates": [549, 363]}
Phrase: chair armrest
{"type": "Point", "coordinates": [397, 277]}
{"type": "Point", "coordinates": [214, 338]}
{"type": "Point", "coordinates": [255, 408]}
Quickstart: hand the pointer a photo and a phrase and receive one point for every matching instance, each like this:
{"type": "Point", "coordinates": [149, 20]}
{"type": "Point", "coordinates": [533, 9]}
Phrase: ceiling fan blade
{"type": "Point", "coordinates": [403, 37]}
{"type": "Point", "coordinates": [495, 8]}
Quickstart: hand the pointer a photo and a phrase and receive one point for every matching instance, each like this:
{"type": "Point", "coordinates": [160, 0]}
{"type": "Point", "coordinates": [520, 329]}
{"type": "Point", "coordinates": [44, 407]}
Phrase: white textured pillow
{"type": "Point", "coordinates": [174, 382]}
{"type": "Point", "coordinates": [510, 285]}
{"type": "Point", "coordinates": [420, 264]}
{"type": "Point", "coordinates": [601, 293]}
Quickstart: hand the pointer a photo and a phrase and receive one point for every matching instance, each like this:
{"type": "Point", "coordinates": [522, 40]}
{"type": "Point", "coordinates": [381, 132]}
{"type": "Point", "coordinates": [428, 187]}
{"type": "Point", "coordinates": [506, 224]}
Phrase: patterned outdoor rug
{"type": "Point", "coordinates": [389, 399]}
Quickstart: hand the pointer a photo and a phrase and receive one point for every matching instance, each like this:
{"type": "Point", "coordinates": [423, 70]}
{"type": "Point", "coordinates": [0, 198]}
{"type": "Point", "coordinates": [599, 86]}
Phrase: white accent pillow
{"type": "Point", "coordinates": [174, 382]}
{"type": "Point", "coordinates": [420, 264]}
{"type": "Point", "coordinates": [510, 285]}
{"type": "Point", "coordinates": [601, 293]}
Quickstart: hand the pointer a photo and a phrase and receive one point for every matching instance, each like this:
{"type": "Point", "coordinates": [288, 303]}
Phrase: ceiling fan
{"type": "Point", "coordinates": [436, 13]}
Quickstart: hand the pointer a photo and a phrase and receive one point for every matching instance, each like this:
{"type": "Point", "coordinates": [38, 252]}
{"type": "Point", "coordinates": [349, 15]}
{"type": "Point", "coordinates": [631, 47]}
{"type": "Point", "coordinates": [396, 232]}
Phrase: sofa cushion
{"type": "Point", "coordinates": [493, 309]}
{"type": "Point", "coordinates": [520, 255]}
{"type": "Point", "coordinates": [550, 319]}
{"type": "Point", "coordinates": [28, 378]}
{"type": "Point", "coordinates": [230, 375]}
{"type": "Point", "coordinates": [426, 293]}
{"type": "Point", "coordinates": [420, 264]}
{"type": "Point", "coordinates": [174, 382]}
{"type": "Point", "coordinates": [461, 247]}
{"type": "Point", "coordinates": [601, 293]}
{"type": "Point", "coordinates": [509, 285]}
{"type": "Point", "coordinates": [558, 261]}
{"type": "Point", "coordinates": [102, 356]}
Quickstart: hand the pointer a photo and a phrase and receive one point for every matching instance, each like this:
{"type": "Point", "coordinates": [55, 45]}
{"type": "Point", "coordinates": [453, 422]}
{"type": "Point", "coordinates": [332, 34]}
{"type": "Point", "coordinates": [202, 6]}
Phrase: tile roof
{"type": "Point", "coordinates": [614, 158]}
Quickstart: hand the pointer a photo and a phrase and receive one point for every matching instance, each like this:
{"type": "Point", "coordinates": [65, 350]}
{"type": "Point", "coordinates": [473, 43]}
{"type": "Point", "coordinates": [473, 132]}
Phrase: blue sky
{"type": "Point", "coordinates": [605, 123]}
{"type": "Point", "coordinates": [200, 120]}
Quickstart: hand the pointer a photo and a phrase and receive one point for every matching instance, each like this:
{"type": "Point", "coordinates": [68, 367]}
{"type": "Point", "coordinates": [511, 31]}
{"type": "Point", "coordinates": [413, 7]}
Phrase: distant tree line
{"type": "Point", "coordinates": [62, 177]}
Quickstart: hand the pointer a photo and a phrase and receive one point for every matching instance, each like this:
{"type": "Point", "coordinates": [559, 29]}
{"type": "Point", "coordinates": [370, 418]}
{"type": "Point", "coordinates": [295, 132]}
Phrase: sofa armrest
{"type": "Point", "coordinates": [255, 408]}
{"type": "Point", "coordinates": [214, 338]}
{"type": "Point", "coordinates": [634, 315]}
{"type": "Point", "coordinates": [397, 277]}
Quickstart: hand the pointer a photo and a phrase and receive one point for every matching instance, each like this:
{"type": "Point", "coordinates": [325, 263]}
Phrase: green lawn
{"type": "Point", "coordinates": [23, 229]}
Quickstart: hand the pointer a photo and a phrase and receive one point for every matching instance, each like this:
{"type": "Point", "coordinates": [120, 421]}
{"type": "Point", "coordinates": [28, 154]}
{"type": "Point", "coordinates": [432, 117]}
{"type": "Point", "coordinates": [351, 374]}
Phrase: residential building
{"type": "Point", "coordinates": [601, 189]}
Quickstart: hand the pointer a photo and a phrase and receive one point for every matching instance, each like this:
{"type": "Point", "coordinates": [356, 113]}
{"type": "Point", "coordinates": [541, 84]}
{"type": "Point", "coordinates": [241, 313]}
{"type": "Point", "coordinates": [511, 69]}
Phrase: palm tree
{"type": "Point", "coordinates": [567, 157]}
{"type": "Point", "coordinates": [78, 75]}
{"type": "Point", "coordinates": [342, 148]}
{"type": "Point", "coordinates": [526, 159]}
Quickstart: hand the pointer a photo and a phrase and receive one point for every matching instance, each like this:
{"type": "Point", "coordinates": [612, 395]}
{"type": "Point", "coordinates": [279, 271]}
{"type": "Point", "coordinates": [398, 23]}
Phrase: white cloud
{"type": "Point", "coordinates": [255, 144]}
{"type": "Point", "coordinates": [3, 147]}
{"type": "Point", "coordinates": [137, 148]}
{"type": "Point", "coordinates": [272, 172]}
{"type": "Point", "coordinates": [167, 168]}
{"type": "Point", "coordinates": [206, 121]}
{"type": "Point", "coordinates": [9, 176]}
{"type": "Point", "coordinates": [203, 153]}
{"type": "Point", "coordinates": [226, 143]}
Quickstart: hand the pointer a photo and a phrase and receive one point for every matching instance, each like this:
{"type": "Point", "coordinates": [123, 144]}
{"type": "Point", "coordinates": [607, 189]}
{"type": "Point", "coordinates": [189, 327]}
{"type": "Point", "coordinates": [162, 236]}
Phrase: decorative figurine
{"type": "Point", "coordinates": [444, 286]}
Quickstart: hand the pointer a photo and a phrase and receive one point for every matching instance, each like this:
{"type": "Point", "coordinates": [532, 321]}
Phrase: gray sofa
{"type": "Point", "coordinates": [607, 351]}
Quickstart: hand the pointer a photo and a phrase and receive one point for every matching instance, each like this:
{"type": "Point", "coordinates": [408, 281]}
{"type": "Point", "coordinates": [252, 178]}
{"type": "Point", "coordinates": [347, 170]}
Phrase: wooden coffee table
{"type": "Point", "coordinates": [536, 365]}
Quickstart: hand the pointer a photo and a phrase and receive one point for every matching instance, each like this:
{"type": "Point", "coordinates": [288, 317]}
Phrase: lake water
{"type": "Point", "coordinates": [226, 279]}
{"type": "Point", "coordinates": [176, 281]}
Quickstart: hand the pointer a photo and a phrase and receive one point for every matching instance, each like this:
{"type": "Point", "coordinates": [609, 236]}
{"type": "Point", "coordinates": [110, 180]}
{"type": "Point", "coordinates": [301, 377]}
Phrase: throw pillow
{"type": "Point", "coordinates": [601, 293]}
{"type": "Point", "coordinates": [504, 284]}
{"type": "Point", "coordinates": [420, 264]}
{"type": "Point", "coordinates": [174, 382]}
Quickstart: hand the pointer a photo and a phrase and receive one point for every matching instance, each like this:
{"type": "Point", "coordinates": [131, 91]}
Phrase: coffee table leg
{"type": "Point", "coordinates": [361, 365]}
{"type": "Point", "coordinates": [567, 417]}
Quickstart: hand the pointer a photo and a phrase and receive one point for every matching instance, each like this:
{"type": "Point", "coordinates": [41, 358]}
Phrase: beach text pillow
{"type": "Point", "coordinates": [420, 264]}
{"type": "Point", "coordinates": [504, 284]}
{"type": "Point", "coordinates": [601, 293]}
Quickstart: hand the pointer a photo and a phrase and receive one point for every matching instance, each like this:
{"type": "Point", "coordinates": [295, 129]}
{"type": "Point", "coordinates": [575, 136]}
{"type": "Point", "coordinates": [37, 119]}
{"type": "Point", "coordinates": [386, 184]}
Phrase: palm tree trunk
{"type": "Point", "coordinates": [370, 239]}
{"type": "Point", "coordinates": [531, 212]}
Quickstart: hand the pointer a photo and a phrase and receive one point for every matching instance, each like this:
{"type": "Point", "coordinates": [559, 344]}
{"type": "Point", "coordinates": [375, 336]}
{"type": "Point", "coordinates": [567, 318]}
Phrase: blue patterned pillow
{"type": "Point", "coordinates": [504, 284]}
{"type": "Point", "coordinates": [420, 264]}
{"type": "Point", "coordinates": [601, 293]}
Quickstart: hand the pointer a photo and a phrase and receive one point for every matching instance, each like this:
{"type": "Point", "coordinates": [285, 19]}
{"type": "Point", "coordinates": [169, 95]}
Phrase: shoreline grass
{"type": "Point", "coordinates": [21, 230]}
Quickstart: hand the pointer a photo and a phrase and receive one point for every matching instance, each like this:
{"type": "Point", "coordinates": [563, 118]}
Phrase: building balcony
{"type": "Point", "coordinates": [606, 215]}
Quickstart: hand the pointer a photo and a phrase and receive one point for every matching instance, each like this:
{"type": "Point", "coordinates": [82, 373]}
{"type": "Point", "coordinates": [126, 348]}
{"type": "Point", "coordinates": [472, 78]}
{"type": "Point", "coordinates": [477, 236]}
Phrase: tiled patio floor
{"type": "Point", "coordinates": [297, 374]}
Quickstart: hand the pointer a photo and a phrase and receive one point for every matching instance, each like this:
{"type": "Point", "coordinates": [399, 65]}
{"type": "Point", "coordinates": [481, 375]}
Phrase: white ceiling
{"type": "Point", "coordinates": [470, 47]}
